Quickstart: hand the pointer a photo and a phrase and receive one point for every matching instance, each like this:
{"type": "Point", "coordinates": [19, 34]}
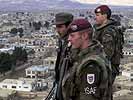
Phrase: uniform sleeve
{"type": "Point", "coordinates": [89, 80]}
{"type": "Point", "coordinates": [108, 42]}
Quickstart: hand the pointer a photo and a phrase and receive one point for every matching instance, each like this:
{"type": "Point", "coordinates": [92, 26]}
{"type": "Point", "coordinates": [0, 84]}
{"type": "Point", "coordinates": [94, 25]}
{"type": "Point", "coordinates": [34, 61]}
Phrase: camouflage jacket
{"type": "Point", "coordinates": [87, 79]}
{"type": "Point", "coordinates": [106, 35]}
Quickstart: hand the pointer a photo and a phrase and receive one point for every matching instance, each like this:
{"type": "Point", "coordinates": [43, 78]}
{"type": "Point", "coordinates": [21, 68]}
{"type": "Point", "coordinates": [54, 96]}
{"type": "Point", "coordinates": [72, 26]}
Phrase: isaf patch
{"type": "Point", "coordinates": [90, 78]}
{"type": "Point", "coordinates": [90, 90]}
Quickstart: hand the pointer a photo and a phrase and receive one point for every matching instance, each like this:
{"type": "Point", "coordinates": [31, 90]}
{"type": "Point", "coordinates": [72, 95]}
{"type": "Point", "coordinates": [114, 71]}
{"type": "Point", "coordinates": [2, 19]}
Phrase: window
{"type": "Point", "coordinates": [25, 87]}
{"type": "Point", "coordinates": [52, 62]}
{"type": "Point", "coordinates": [28, 72]}
{"type": "Point", "coordinates": [119, 87]}
{"type": "Point", "coordinates": [39, 72]}
{"type": "Point", "coordinates": [46, 62]}
{"type": "Point", "coordinates": [14, 87]}
{"type": "Point", "coordinates": [131, 80]}
{"type": "Point", "coordinates": [29, 42]}
{"type": "Point", "coordinates": [33, 72]}
{"type": "Point", "coordinates": [4, 86]}
{"type": "Point", "coordinates": [33, 76]}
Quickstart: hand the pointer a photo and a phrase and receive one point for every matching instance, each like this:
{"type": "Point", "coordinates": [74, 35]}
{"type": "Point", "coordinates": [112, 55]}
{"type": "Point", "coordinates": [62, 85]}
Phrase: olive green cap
{"type": "Point", "coordinates": [62, 18]}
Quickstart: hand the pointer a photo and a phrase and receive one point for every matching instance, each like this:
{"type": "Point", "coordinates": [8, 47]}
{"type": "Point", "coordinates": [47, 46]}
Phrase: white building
{"type": "Point", "coordinates": [18, 85]}
{"type": "Point", "coordinates": [37, 71]}
{"type": "Point", "coordinates": [3, 40]}
{"type": "Point", "coordinates": [50, 62]}
{"type": "Point", "coordinates": [128, 73]}
{"type": "Point", "coordinates": [128, 36]}
{"type": "Point", "coordinates": [127, 51]}
{"type": "Point", "coordinates": [130, 22]}
{"type": "Point", "coordinates": [7, 50]}
{"type": "Point", "coordinates": [23, 84]}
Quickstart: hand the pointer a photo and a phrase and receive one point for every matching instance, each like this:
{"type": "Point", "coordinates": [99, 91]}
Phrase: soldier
{"type": "Point", "coordinates": [62, 20]}
{"type": "Point", "coordinates": [106, 33]}
{"type": "Point", "coordinates": [87, 78]}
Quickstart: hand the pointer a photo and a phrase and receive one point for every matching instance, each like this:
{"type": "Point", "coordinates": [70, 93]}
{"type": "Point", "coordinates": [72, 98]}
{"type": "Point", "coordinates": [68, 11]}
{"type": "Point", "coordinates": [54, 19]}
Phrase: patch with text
{"type": "Point", "coordinates": [90, 90]}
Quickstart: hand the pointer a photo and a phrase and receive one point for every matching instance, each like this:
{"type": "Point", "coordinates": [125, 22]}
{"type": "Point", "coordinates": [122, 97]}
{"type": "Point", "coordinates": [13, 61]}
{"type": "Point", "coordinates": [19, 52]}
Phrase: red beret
{"type": "Point", "coordinates": [104, 9]}
{"type": "Point", "coordinates": [78, 25]}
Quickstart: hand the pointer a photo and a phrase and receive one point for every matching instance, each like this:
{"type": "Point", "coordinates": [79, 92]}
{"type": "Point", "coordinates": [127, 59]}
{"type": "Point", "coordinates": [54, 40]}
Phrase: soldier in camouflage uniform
{"type": "Point", "coordinates": [87, 78]}
{"type": "Point", "coordinates": [62, 20]}
{"type": "Point", "coordinates": [106, 34]}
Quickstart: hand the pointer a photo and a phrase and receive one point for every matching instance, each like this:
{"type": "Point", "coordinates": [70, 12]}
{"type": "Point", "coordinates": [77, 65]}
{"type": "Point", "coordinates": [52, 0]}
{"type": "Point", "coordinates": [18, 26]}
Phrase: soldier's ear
{"type": "Point", "coordinates": [85, 35]}
{"type": "Point", "coordinates": [105, 16]}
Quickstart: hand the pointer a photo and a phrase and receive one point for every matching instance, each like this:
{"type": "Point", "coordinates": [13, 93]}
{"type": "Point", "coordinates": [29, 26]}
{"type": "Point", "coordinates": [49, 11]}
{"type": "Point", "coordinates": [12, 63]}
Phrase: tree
{"type": "Point", "coordinates": [14, 31]}
{"type": "Point", "coordinates": [20, 55]}
{"type": "Point", "coordinates": [20, 30]}
{"type": "Point", "coordinates": [37, 25]}
{"type": "Point", "coordinates": [46, 24]}
{"type": "Point", "coordinates": [30, 24]}
{"type": "Point", "coordinates": [24, 55]}
{"type": "Point", "coordinates": [8, 61]}
{"type": "Point", "coordinates": [5, 62]}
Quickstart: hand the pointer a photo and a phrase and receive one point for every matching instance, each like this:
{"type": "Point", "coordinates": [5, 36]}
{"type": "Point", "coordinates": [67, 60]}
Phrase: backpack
{"type": "Point", "coordinates": [119, 41]}
{"type": "Point", "coordinates": [118, 54]}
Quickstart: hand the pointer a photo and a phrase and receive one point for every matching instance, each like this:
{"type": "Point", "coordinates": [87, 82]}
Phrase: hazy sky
{"type": "Point", "coordinates": [112, 2]}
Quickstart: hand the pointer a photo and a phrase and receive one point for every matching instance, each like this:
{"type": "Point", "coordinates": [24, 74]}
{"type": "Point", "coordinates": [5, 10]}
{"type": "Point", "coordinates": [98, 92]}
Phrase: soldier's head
{"type": "Point", "coordinates": [62, 20]}
{"type": "Point", "coordinates": [102, 13]}
{"type": "Point", "coordinates": [80, 33]}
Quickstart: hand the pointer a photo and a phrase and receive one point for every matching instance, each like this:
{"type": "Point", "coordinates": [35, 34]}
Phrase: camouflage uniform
{"type": "Point", "coordinates": [87, 79]}
{"type": "Point", "coordinates": [106, 35]}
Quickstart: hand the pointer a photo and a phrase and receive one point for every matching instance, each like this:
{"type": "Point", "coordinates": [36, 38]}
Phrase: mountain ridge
{"type": "Point", "coordinates": [39, 5]}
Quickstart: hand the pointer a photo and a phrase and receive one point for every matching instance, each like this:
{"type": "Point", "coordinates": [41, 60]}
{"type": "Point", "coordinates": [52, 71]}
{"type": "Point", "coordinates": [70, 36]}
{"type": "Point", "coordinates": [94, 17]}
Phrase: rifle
{"type": "Point", "coordinates": [51, 95]}
{"type": "Point", "coordinates": [55, 92]}
{"type": "Point", "coordinates": [63, 68]}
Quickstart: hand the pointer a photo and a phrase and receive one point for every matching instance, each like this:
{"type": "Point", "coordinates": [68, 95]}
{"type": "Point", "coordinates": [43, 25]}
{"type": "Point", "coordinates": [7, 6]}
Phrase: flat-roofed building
{"type": "Point", "coordinates": [23, 84]}
{"type": "Point", "coordinates": [18, 85]}
{"type": "Point", "coordinates": [128, 73]}
{"type": "Point", "coordinates": [50, 62]}
{"type": "Point", "coordinates": [38, 71]}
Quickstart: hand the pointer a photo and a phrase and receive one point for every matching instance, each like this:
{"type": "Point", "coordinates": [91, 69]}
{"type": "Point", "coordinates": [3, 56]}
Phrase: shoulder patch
{"type": "Point", "coordinates": [90, 78]}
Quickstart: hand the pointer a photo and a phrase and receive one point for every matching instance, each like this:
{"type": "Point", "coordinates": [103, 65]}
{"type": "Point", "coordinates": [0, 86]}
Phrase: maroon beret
{"type": "Point", "coordinates": [78, 25]}
{"type": "Point", "coordinates": [104, 9]}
